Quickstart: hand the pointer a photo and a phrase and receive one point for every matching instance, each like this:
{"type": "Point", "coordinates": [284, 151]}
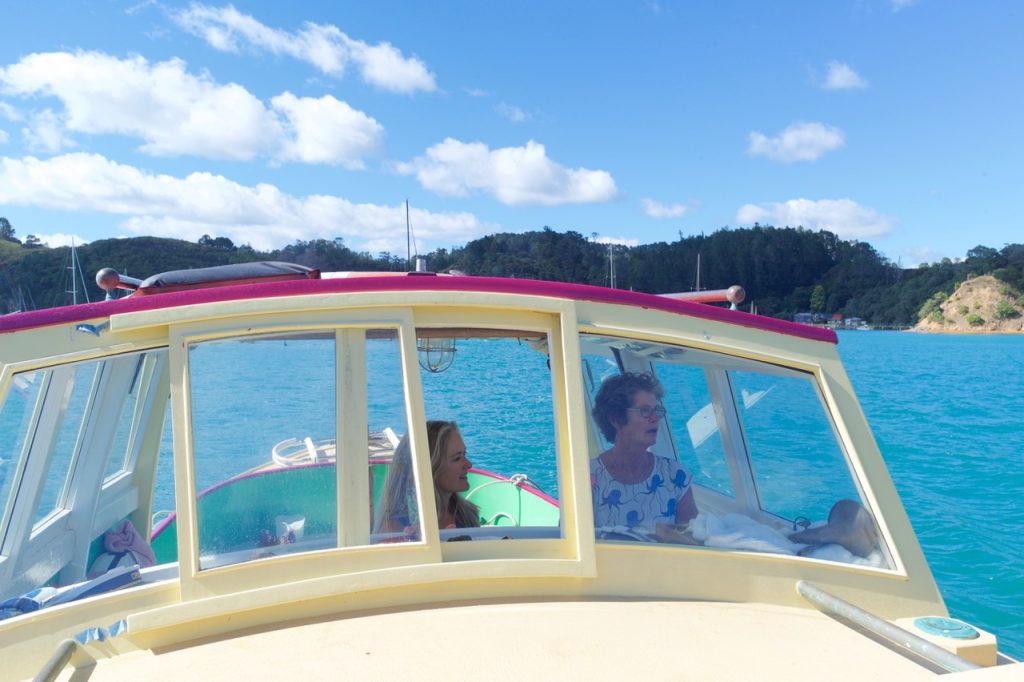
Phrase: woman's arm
{"type": "Point", "coordinates": [686, 507]}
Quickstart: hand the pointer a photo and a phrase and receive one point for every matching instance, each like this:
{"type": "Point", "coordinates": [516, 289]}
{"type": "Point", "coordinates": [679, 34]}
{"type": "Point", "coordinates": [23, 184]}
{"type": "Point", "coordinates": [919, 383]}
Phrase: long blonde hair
{"type": "Point", "coordinates": [398, 496]}
{"type": "Point", "coordinates": [465, 513]}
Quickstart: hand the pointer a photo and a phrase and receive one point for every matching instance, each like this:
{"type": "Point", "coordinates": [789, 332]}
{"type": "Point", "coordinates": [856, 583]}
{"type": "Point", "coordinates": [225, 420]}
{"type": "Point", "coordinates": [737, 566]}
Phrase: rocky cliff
{"type": "Point", "coordinates": [983, 304]}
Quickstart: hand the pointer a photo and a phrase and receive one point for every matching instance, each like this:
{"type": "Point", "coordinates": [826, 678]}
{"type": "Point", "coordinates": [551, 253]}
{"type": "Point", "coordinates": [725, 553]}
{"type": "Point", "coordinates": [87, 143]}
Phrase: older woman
{"type": "Point", "coordinates": [449, 466]}
{"type": "Point", "coordinates": [634, 489]}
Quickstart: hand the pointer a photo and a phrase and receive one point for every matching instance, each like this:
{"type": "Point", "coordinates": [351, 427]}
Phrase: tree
{"type": "Point", "coordinates": [1004, 310]}
{"type": "Point", "coordinates": [32, 242]}
{"type": "Point", "coordinates": [6, 231]}
{"type": "Point", "coordinates": [220, 243]}
{"type": "Point", "coordinates": [818, 299]}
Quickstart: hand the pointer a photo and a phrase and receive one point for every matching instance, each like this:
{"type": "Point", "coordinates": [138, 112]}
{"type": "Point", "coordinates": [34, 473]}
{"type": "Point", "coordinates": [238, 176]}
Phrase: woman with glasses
{"type": "Point", "coordinates": [637, 493]}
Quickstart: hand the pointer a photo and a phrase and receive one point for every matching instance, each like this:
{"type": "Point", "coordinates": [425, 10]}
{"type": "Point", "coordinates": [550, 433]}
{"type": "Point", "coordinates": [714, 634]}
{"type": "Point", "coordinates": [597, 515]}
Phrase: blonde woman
{"type": "Point", "coordinates": [449, 467]}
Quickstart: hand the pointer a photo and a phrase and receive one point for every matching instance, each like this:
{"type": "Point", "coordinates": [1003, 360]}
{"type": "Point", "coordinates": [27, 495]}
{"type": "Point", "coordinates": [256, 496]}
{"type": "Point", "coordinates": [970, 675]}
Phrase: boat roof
{"type": "Point", "coordinates": [544, 639]}
{"type": "Point", "coordinates": [412, 281]}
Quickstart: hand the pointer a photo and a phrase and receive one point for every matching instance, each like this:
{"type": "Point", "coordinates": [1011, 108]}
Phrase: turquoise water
{"type": "Point", "coordinates": [948, 414]}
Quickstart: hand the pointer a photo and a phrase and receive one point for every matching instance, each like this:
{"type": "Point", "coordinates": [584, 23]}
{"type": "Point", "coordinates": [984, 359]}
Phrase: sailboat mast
{"type": "Point", "coordinates": [73, 269]}
{"type": "Point", "coordinates": [408, 238]}
{"type": "Point", "coordinates": [76, 272]}
{"type": "Point", "coordinates": [81, 275]}
{"type": "Point", "coordinates": [611, 265]}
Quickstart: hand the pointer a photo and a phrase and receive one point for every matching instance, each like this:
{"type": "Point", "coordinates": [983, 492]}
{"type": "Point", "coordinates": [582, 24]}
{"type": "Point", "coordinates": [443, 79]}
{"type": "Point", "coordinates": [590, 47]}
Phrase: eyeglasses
{"type": "Point", "coordinates": [646, 411]}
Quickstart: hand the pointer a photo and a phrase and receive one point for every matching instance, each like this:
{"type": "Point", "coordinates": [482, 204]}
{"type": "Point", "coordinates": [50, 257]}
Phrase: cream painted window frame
{"type": "Point", "coordinates": [571, 555]}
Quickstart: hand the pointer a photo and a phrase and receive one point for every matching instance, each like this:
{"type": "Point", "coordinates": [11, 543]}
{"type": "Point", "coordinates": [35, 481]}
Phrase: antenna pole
{"type": "Point", "coordinates": [408, 233]}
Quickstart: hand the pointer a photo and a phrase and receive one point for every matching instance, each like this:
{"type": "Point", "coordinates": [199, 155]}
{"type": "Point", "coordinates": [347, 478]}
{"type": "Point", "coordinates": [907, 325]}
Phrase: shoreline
{"type": "Point", "coordinates": [922, 330]}
{"type": "Point", "coordinates": [961, 330]}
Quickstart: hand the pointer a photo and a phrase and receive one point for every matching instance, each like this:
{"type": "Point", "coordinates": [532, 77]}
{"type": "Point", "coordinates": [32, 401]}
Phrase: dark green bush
{"type": "Point", "coordinates": [1004, 310]}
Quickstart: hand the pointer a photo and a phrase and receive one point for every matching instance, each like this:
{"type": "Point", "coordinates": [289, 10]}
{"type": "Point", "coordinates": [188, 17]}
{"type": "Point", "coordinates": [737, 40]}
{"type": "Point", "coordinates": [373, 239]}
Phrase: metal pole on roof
{"type": "Point", "coordinates": [893, 633]}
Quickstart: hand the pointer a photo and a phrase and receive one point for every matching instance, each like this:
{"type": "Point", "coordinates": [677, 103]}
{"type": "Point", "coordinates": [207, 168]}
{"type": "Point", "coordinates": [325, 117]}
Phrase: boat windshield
{"type": "Point", "coordinates": [744, 454]}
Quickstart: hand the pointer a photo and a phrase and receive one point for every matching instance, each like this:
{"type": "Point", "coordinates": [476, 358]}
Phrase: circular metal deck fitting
{"type": "Point", "coordinates": [946, 627]}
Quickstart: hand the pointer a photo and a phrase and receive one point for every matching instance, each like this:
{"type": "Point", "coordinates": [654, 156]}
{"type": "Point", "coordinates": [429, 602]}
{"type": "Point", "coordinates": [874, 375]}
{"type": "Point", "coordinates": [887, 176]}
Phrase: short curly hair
{"type": "Point", "coordinates": [616, 395]}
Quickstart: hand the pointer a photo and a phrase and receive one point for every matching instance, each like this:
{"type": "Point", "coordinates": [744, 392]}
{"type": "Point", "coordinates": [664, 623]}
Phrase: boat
{"type": "Point", "coordinates": [191, 475]}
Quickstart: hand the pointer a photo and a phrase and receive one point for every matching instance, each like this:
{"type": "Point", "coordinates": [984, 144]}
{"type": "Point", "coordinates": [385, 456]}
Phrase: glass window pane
{"type": "Point", "coordinates": [691, 415]}
{"type": "Point", "coordinates": [790, 439]}
{"type": "Point", "coordinates": [497, 390]}
{"type": "Point", "coordinates": [597, 367]}
{"type": "Point", "coordinates": [394, 514]}
{"type": "Point", "coordinates": [76, 390]}
{"type": "Point", "coordinates": [264, 417]}
{"type": "Point", "coordinates": [163, 533]}
{"type": "Point", "coordinates": [15, 420]}
{"type": "Point", "coordinates": [263, 428]}
{"type": "Point", "coordinates": [117, 462]}
{"type": "Point", "coordinates": [757, 439]}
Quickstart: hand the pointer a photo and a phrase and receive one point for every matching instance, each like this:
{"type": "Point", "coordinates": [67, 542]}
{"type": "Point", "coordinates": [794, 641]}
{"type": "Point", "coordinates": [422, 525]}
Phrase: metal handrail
{"type": "Point", "coordinates": [57, 661]}
{"type": "Point", "coordinates": [905, 639]}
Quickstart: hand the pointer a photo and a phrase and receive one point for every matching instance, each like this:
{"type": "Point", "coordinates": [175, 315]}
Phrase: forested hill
{"type": "Point", "coordinates": [784, 270]}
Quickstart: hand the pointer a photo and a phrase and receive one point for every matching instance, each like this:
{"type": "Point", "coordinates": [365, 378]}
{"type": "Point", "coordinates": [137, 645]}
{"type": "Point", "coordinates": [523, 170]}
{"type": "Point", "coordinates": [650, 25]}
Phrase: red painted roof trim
{"type": "Point", "coordinates": [527, 287]}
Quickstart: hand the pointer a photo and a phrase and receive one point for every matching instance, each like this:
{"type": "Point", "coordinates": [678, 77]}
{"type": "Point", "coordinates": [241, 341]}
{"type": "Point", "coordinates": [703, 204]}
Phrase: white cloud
{"type": "Point", "coordinates": [171, 110]}
{"type": "Point", "coordinates": [657, 210]}
{"type": "Point", "coordinates": [476, 92]}
{"type": "Point", "coordinates": [202, 203]}
{"type": "Point", "coordinates": [9, 112]}
{"type": "Point", "coordinates": [618, 241]}
{"type": "Point", "coordinates": [915, 257]}
{"type": "Point", "coordinates": [513, 175]}
{"type": "Point", "coordinates": [512, 113]}
{"type": "Point", "coordinates": [798, 142]}
{"type": "Point", "coordinates": [897, 5]}
{"type": "Point", "coordinates": [844, 217]}
{"type": "Point", "coordinates": [842, 77]}
{"type": "Point", "coordinates": [46, 133]}
{"type": "Point", "coordinates": [327, 131]}
{"type": "Point", "coordinates": [177, 113]}
{"type": "Point", "coordinates": [61, 239]}
{"type": "Point", "coordinates": [326, 47]}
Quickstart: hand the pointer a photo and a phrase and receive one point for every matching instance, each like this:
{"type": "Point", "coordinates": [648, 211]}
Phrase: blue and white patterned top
{"type": "Point", "coordinates": [638, 506]}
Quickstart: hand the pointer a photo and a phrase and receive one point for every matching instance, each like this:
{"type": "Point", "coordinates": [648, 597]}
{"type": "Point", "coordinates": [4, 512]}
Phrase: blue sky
{"type": "Point", "coordinates": [896, 122]}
